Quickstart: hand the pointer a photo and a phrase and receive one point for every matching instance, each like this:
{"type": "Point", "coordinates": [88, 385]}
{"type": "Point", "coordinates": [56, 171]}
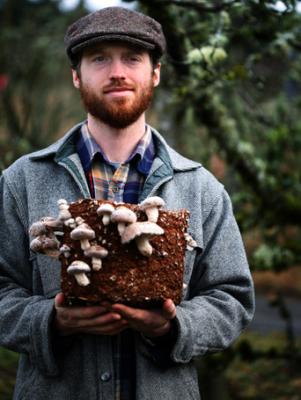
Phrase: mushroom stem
{"type": "Point", "coordinates": [152, 214]}
{"type": "Point", "coordinates": [121, 227]}
{"type": "Point", "coordinates": [143, 245]}
{"type": "Point", "coordinates": [106, 219]}
{"type": "Point", "coordinates": [82, 279]}
{"type": "Point", "coordinates": [84, 244]}
{"type": "Point", "coordinates": [96, 263]}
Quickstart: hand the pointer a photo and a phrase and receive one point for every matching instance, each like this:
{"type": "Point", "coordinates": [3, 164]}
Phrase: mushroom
{"type": "Point", "coordinates": [65, 250]}
{"type": "Point", "coordinates": [65, 213]}
{"type": "Point", "coordinates": [53, 224]}
{"type": "Point", "coordinates": [97, 253]}
{"type": "Point", "coordinates": [142, 232]}
{"type": "Point", "coordinates": [70, 223]}
{"type": "Point", "coordinates": [190, 243]}
{"type": "Point", "coordinates": [78, 269]}
{"type": "Point", "coordinates": [46, 226]}
{"type": "Point", "coordinates": [123, 216]}
{"type": "Point", "coordinates": [83, 233]}
{"type": "Point", "coordinates": [151, 207]}
{"type": "Point", "coordinates": [105, 210]}
{"type": "Point", "coordinates": [46, 245]}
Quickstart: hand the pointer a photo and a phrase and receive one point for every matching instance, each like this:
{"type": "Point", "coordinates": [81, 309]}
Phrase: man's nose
{"type": "Point", "coordinates": [117, 70]}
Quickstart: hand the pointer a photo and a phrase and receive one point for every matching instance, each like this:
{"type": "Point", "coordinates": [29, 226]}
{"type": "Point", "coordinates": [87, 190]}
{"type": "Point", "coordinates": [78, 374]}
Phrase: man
{"type": "Point", "coordinates": [111, 351]}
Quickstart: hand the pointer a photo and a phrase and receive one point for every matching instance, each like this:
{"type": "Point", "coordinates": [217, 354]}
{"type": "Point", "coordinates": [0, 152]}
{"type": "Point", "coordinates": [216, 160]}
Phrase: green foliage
{"type": "Point", "coordinates": [37, 99]}
{"type": "Point", "coordinates": [263, 370]}
{"type": "Point", "coordinates": [235, 73]}
{"type": "Point", "coordinates": [272, 258]}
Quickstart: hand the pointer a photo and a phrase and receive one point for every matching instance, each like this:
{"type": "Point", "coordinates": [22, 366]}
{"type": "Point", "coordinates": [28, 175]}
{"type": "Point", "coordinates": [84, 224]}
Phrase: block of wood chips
{"type": "Point", "coordinates": [124, 274]}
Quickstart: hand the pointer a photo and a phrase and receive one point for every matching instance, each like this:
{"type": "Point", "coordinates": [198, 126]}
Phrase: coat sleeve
{"type": "Point", "coordinates": [220, 302]}
{"type": "Point", "coordinates": [25, 313]}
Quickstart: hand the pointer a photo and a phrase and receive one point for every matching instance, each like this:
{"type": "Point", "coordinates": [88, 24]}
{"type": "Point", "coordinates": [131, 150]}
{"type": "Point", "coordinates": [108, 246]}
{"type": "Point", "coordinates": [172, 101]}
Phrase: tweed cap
{"type": "Point", "coordinates": [115, 24]}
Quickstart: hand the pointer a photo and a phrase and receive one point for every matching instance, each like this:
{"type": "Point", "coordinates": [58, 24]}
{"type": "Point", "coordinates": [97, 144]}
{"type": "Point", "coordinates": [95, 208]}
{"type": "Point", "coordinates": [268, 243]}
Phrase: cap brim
{"type": "Point", "coordinates": [112, 38]}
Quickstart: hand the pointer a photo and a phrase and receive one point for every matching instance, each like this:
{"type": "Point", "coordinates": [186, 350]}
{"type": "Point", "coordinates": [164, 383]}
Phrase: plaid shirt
{"type": "Point", "coordinates": [121, 183]}
{"type": "Point", "coordinates": [108, 181]}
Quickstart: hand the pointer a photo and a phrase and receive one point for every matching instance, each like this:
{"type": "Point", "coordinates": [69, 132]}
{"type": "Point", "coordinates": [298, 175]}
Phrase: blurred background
{"type": "Point", "coordinates": [230, 99]}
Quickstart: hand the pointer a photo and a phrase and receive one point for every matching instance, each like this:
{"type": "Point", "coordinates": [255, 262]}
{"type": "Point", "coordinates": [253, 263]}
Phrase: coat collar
{"type": "Point", "coordinates": [65, 147]}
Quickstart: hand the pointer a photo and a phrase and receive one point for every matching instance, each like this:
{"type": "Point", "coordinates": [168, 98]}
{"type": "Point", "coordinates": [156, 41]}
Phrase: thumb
{"type": "Point", "coordinates": [169, 309]}
{"type": "Point", "coordinates": [60, 300]}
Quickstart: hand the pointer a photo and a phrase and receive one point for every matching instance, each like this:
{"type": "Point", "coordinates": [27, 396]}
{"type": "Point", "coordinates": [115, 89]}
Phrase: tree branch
{"type": "Point", "coordinates": [200, 6]}
{"type": "Point", "coordinates": [286, 207]}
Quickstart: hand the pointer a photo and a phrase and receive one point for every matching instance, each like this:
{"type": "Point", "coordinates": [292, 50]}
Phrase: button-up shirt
{"type": "Point", "coordinates": [113, 181]}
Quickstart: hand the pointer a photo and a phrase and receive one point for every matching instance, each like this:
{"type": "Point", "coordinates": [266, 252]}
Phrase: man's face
{"type": "Point", "coordinates": [117, 81]}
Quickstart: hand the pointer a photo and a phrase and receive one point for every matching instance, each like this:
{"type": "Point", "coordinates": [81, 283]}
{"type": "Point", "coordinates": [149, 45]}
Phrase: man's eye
{"type": "Point", "coordinates": [99, 59]}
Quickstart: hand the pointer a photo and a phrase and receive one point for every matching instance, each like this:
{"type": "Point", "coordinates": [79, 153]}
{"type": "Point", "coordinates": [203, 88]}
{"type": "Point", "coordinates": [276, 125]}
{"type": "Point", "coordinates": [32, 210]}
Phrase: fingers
{"type": "Point", "coordinates": [169, 310]}
{"type": "Point", "coordinates": [93, 319]}
{"type": "Point", "coordinates": [109, 319]}
{"type": "Point", "coordinates": [127, 312]}
{"type": "Point", "coordinates": [60, 300]}
{"type": "Point", "coordinates": [152, 323]}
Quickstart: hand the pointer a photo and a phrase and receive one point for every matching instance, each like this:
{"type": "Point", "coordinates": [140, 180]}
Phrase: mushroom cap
{"type": "Point", "coordinates": [77, 267]}
{"type": "Point", "coordinates": [65, 248]}
{"type": "Point", "coordinates": [96, 251]}
{"type": "Point", "coordinates": [65, 215]}
{"type": "Point", "coordinates": [42, 243]}
{"type": "Point", "coordinates": [123, 214]}
{"type": "Point", "coordinates": [37, 229]}
{"type": "Point", "coordinates": [45, 226]}
{"type": "Point", "coordinates": [82, 231]}
{"type": "Point", "coordinates": [105, 208]}
{"type": "Point", "coordinates": [151, 202]}
{"type": "Point", "coordinates": [53, 223]}
{"type": "Point", "coordinates": [62, 201]}
{"type": "Point", "coordinates": [141, 228]}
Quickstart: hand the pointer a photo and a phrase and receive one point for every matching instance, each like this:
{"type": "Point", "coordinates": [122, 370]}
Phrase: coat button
{"type": "Point", "coordinates": [105, 376]}
{"type": "Point", "coordinates": [115, 189]}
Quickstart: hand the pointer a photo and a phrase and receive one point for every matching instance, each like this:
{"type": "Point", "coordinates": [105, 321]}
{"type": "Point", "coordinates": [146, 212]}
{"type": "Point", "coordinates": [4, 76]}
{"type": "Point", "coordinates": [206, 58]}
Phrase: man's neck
{"type": "Point", "coordinates": [117, 144]}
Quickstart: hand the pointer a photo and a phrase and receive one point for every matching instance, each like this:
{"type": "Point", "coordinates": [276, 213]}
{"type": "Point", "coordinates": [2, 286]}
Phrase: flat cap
{"type": "Point", "coordinates": [115, 24]}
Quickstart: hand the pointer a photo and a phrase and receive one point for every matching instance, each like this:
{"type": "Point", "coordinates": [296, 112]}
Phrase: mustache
{"type": "Point", "coordinates": [117, 85]}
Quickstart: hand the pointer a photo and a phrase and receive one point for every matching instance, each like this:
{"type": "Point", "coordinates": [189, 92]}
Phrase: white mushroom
{"type": "Point", "coordinates": [83, 233]}
{"type": "Point", "coordinates": [123, 216]}
{"type": "Point", "coordinates": [46, 226]}
{"type": "Point", "coordinates": [79, 269]}
{"type": "Point", "coordinates": [151, 207]}
{"type": "Point", "coordinates": [61, 203]}
{"type": "Point", "coordinates": [97, 253]}
{"type": "Point", "coordinates": [65, 213]}
{"type": "Point", "coordinates": [46, 245]}
{"type": "Point", "coordinates": [105, 210]}
{"type": "Point", "coordinates": [142, 232]}
{"type": "Point", "coordinates": [65, 250]}
{"type": "Point", "coordinates": [70, 223]}
{"type": "Point", "coordinates": [190, 243]}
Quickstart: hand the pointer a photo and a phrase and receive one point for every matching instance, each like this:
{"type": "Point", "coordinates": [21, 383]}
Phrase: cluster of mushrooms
{"type": "Point", "coordinates": [129, 229]}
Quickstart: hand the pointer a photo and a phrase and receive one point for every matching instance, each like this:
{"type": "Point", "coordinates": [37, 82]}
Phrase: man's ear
{"type": "Point", "coordinates": [156, 76]}
{"type": "Point", "coordinates": [76, 81]}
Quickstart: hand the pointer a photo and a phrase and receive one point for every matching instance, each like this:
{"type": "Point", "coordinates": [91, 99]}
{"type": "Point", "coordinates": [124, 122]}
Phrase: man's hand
{"type": "Point", "coordinates": [95, 319]}
{"type": "Point", "coordinates": [152, 323]}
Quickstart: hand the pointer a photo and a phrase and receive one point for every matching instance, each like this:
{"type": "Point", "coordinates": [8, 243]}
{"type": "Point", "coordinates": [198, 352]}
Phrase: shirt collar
{"type": "Point", "coordinates": [87, 148]}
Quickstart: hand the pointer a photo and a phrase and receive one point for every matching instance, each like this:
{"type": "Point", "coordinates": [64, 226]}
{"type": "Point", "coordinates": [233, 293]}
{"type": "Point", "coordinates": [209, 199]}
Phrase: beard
{"type": "Point", "coordinates": [118, 113]}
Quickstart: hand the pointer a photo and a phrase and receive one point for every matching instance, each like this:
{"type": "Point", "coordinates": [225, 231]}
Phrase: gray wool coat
{"type": "Point", "coordinates": [217, 304]}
